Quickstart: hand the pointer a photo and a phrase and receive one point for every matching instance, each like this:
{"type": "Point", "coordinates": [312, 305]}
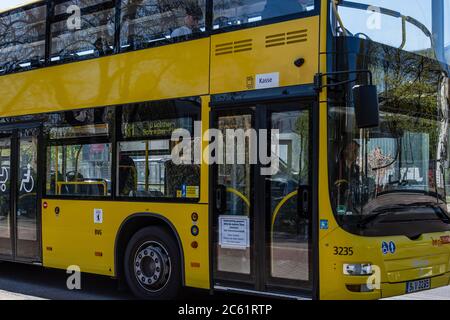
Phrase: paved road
{"type": "Point", "coordinates": [18, 281]}
{"type": "Point", "coordinates": [435, 294]}
{"type": "Point", "coordinates": [25, 282]}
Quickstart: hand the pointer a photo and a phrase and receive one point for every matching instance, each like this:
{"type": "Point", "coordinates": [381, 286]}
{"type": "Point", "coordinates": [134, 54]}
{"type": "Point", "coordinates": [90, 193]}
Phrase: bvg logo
{"type": "Point", "coordinates": [440, 242]}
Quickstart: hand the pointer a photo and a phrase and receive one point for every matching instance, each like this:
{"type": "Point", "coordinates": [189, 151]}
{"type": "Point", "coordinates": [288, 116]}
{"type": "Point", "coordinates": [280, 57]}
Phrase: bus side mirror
{"type": "Point", "coordinates": [367, 111]}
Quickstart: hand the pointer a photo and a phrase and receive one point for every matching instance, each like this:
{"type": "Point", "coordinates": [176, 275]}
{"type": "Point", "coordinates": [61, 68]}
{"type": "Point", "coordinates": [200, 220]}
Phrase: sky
{"type": "Point", "coordinates": [391, 27]}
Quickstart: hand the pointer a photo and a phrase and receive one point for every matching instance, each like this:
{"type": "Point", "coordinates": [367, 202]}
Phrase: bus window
{"type": "Point", "coordinates": [147, 21]}
{"type": "Point", "coordinates": [77, 165]}
{"type": "Point", "coordinates": [232, 12]}
{"type": "Point", "coordinates": [90, 36]}
{"type": "Point", "coordinates": [79, 170]}
{"type": "Point", "coordinates": [22, 39]}
{"type": "Point", "coordinates": [146, 170]}
{"type": "Point", "coordinates": [145, 155]}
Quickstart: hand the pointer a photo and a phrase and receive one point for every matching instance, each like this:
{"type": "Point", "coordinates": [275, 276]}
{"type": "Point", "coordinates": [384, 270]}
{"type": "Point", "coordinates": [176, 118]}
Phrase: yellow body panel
{"type": "Point", "coordinates": [177, 70]}
{"type": "Point", "coordinates": [70, 238]}
{"type": "Point", "coordinates": [412, 260]}
{"type": "Point", "coordinates": [237, 57]}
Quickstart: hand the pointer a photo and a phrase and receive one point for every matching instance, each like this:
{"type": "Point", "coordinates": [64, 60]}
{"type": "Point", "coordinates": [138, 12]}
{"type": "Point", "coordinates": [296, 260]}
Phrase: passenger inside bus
{"type": "Point", "coordinates": [127, 176]}
{"type": "Point", "coordinates": [194, 14]}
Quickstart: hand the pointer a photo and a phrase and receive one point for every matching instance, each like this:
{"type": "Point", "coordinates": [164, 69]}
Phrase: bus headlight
{"type": "Point", "coordinates": [357, 269]}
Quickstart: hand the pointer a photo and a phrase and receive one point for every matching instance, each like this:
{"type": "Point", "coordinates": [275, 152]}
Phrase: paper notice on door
{"type": "Point", "coordinates": [234, 232]}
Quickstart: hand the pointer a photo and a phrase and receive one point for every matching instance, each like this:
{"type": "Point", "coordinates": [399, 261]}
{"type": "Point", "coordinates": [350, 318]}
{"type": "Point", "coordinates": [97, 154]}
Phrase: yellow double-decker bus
{"type": "Point", "coordinates": [354, 93]}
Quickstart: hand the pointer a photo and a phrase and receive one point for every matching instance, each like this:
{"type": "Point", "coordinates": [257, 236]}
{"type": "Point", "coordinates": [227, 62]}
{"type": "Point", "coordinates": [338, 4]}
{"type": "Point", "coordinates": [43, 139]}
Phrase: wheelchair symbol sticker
{"type": "Point", "coordinates": [384, 247]}
{"type": "Point", "coordinates": [27, 183]}
{"type": "Point", "coordinates": [388, 247]}
{"type": "Point", "coordinates": [392, 247]}
{"type": "Point", "coordinates": [4, 177]}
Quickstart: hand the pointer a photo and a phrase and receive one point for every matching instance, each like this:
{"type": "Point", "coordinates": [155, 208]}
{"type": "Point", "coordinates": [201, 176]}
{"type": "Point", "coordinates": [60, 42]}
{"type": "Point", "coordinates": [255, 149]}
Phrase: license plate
{"type": "Point", "coordinates": [418, 285]}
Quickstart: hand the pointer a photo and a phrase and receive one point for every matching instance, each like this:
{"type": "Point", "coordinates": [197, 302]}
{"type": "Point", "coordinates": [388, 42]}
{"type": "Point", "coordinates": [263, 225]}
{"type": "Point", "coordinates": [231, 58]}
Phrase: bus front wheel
{"type": "Point", "coordinates": [152, 264]}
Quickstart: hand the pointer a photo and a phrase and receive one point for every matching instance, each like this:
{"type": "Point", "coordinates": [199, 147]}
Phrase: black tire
{"type": "Point", "coordinates": [161, 253]}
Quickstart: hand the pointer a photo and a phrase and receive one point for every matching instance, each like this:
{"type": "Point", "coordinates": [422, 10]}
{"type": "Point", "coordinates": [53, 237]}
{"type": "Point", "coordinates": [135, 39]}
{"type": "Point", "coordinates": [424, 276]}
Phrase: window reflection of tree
{"type": "Point", "coordinates": [96, 34]}
{"type": "Point", "coordinates": [410, 108]}
{"type": "Point", "coordinates": [234, 175]}
{"type": "Point", "coordinates": [236, 11]}
{"type": "Point", "coordinates": [149, 20]}
{"type": "Point", "coordinates": [22, 38]}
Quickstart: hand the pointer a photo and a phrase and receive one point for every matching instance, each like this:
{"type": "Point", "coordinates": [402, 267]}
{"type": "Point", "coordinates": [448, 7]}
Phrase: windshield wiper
{"type": "Point", "coordinates": [438, 211]}
{"type": "Point", "coordinates": [380, 212]}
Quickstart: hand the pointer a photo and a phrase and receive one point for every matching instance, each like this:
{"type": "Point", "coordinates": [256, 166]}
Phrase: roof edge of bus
{"type": "Point", "coordinates": [13, 7]}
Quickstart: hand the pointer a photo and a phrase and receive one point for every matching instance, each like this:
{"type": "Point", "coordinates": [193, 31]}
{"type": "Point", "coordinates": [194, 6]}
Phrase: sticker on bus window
{"type": "Point", "coordinates": [341, 210]}
{"type": "Point", "coordinates": [188, 192]}
{"type": "Point", "coordinates": [192, 192]}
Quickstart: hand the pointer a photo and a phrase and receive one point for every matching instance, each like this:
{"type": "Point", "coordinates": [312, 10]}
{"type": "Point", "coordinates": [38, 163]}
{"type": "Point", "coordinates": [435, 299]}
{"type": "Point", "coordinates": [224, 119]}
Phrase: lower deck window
{"type": "Point", "coordinates": [146, 170]}
{"type": "Point", "coordinates": [79, 170]}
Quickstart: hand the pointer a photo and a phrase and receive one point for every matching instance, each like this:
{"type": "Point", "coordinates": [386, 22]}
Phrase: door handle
{"type": "Point", "coordinates": [221, 198]}
{"type": "Point", "coordinates": [304, 201]}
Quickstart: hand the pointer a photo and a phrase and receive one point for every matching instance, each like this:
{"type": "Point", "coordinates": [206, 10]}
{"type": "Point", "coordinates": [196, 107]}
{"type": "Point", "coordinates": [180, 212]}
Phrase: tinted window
{"type": "Point", "coordinates": [83, 31]}
{"type": "Point", "coordinates": [84, 123]}
{"type": "Point", "coordinates": [237, 12]}
{"type": "Point", "coordinates": [146, 21]}
{"type": "Point", "coordinates": [66, 7]}
{"type": "Point", "coordinates": [22, 39]}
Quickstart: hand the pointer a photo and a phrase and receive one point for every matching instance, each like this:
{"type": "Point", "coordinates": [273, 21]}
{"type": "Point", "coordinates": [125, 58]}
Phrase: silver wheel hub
{"type": "Point", "coordinates": [152, 266]}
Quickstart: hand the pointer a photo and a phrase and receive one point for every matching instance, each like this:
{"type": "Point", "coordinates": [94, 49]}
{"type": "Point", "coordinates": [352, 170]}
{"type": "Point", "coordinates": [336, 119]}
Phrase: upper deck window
{"type": "Point", "coordinates": [22, 39]}
{"type": "Point", "coordinates": [417, 26]}
{"type": "Point", "coordinates": [82, 28]}
{"type": "Point", "coordinates": [238, 12]}
{"type": "Point", "coordinates": [146, 21]}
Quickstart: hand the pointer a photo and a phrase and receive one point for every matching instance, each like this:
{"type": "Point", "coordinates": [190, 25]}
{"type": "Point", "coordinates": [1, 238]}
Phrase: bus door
{"type": "Point", "coordinates": [19, 194]}
{"type": "Point", "coordinates": [262, 209]}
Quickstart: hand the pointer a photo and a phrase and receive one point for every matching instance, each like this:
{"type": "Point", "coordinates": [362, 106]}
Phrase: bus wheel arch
{"type": "Point", "coordinates": [133, 224]}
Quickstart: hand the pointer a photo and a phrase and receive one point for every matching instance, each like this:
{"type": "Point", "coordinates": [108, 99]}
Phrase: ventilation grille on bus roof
{"type": "Point", "coordinates": [282, 39]}
{"type": "Point", "coordinates": [234, 47]}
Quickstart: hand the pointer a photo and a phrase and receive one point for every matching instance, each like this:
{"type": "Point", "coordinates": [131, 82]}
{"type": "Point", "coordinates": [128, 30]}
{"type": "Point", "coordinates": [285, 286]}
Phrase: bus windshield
{"type": "Point", "coordinates": [419, 26]}
{"type": "Point", "coordinates": [399, 171]}
{"type": "Point", "coordinates": [402, 163]}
